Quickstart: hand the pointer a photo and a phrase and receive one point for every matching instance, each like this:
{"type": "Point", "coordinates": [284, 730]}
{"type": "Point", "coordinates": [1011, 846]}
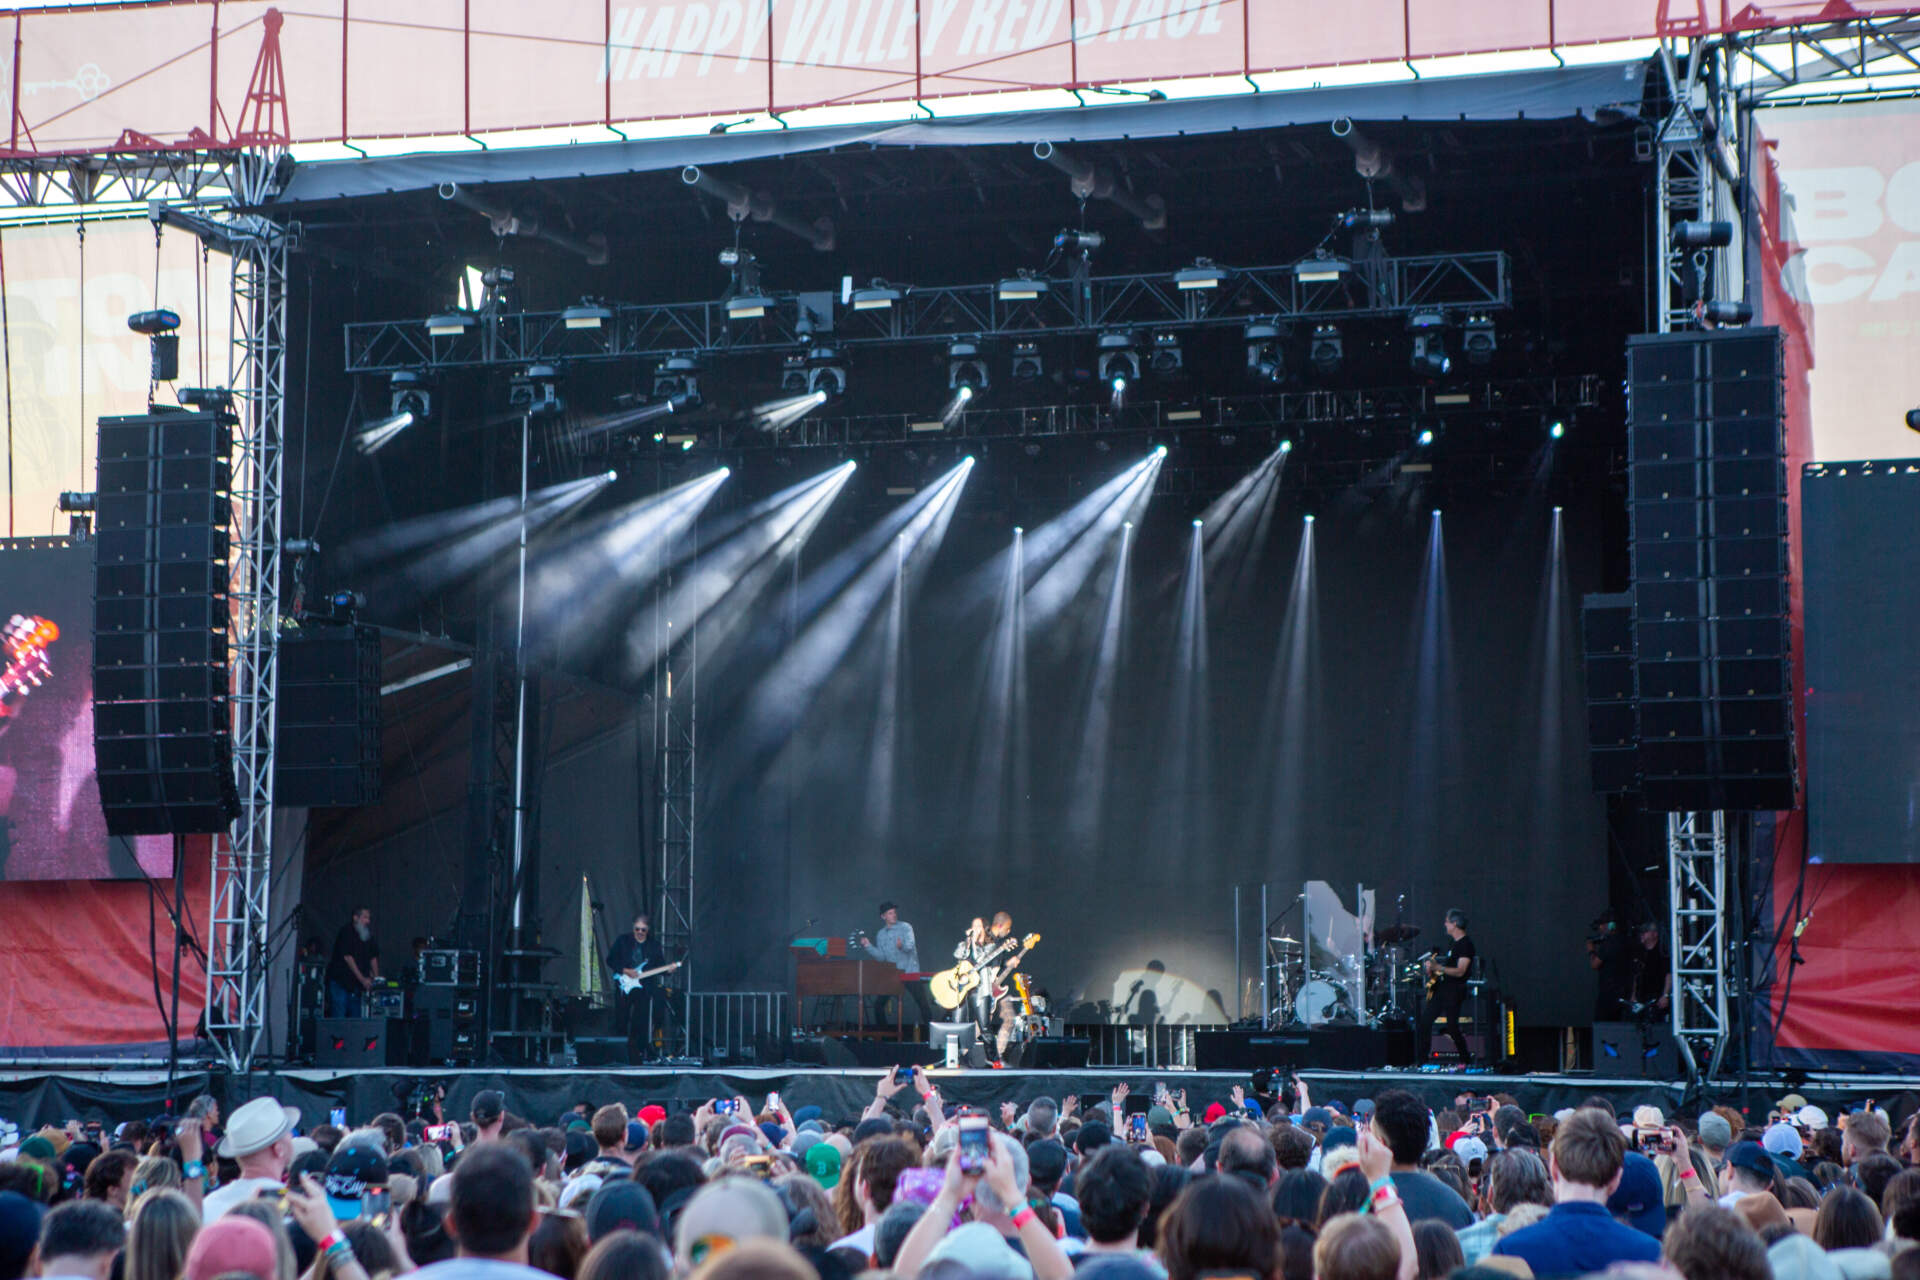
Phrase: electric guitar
{"type": "Point", "coordinates": [627, 984]}
{"type": "Point", "coordinates": [24, 641]}
{"type": "Point", "coordinates": [951, 987]}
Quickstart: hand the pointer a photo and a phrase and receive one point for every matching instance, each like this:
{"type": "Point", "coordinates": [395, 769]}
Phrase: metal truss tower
{"type": "Point", "coordinates": [676, 687]}
{"type": "Point", "coordinates": [237, 959]}
{"type": "Point", "coordinates": [1697, 933]}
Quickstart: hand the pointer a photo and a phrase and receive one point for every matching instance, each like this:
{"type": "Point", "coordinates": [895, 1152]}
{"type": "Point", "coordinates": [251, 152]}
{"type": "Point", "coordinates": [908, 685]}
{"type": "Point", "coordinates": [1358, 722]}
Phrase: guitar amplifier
{"type": "Point", "coordinates": [448, 968]}
{"type": "Point", "coordinates": [359, 1042]}
{"type": "Point", "coordinates": [386, 1002]}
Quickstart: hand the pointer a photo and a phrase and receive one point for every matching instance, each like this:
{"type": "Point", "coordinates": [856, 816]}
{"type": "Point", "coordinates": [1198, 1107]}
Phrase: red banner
{"type": "Point", "coordinates": [168, 74]}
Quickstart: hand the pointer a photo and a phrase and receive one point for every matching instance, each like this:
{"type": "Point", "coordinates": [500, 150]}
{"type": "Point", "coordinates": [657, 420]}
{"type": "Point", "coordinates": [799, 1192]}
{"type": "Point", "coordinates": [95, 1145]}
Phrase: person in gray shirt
{"type": "Point", "coordinates": [895, 945]}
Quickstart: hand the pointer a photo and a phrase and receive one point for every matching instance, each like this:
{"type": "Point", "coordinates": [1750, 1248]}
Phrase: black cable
{"type": "Point", "coordinates": [346, 429]}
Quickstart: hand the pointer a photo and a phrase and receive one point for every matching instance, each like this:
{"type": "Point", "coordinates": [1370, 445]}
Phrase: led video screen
{"type": "Point", "coordinates": [51, 826]}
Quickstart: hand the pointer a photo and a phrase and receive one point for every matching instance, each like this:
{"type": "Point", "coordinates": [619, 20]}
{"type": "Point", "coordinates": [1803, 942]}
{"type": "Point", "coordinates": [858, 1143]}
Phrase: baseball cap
{"type": "Point", "coordinates": [724, 1213]}
{"type": "Point", "coordinates": [1810, 1117]}
{"type": "Point", "coordinates": [1317, 1115]}
{"type": "Point", "coordinates": [1157, 1116]}
{"type": "Point", "coordinates": [488, 1105]}
{"type": "Point", "coordinates": [19, 1231]}
{"type": "Point", "coordinates": [1363, 1108]}
{"type": "Point", "coordinates": [1715, 1132]}
{"type": "Point", "coordinates": [232, 1243]}
{"type": "Point", "coordinates": [1046, 1161]}
{"type": "Point", "coordinates": [1638, 1200]}
{"type": "Point", "coordinates": [1470, 1148]}
{"type": "Point", "coordinates": [351, 1171]}
{"type": "Point", "coordinates": [621, 1205]}
{"type": "Point", "coordinates": [1792, 1102]}
{"type": "Point", "coordinates": [653, 1113]}
{"type": "Point", "coordinates": [1752, 1157]}
{"type": "Point", "coordinates": [823, 1163]}
{"type": "Point", "coordinates": [1645, 1117]}
{"type": "Point", "coordinates": [636, 1133]}
{"type": "Point", "coordinates": [1797, 1257]}
{"type": "Point", "coordinates": [1782, 1139]}
{"type": "Point", "coordinates": [982, 1253]}
{"type": "Point", "coordinates": [1214, 1112]}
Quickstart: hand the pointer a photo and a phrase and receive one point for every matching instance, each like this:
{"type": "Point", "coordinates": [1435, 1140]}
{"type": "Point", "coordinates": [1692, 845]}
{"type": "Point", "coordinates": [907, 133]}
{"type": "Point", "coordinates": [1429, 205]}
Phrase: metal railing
{"type": "Point", "coordinates": [1160, 1046]}
{"type": "Point", "coordinates": [738, 1027]}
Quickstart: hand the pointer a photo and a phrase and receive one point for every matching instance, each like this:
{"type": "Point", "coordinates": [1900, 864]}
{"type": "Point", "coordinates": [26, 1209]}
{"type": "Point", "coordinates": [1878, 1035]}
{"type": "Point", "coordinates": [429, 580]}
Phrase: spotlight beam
{"type": "Point", "coordinates": [717, 588]}
{"type": "Point", "coordinates": [843, 601]}
{"type": "Point", "coordinates": [1292, 706]}
{"type": "Point", "coordinates": [1237, 520]}
{"type": "Point", "coordinates": [423, 531]}
{"type": "Point", "coordinates": [1075, 566]}
{"type": "Point", "coordinates": [1096, 726]}
{"type": "Point", "coordinates": [1000, 743]}
{"type": "Point", "coordinates": [371, 439]}
{"type": "Point", "coordinates": [473, 551]}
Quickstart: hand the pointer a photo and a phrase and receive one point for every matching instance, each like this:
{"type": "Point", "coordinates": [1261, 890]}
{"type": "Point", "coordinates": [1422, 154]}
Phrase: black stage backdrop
{"type": "Point", "coordinates": [1508, 829]}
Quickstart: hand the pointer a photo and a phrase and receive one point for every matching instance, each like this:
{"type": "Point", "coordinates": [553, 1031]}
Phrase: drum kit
{"type": "Point", "coordinates": [1300, 994]}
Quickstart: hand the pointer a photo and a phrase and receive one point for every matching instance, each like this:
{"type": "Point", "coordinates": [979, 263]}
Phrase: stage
{"type": "Point", "coordinates": [33, 1094]}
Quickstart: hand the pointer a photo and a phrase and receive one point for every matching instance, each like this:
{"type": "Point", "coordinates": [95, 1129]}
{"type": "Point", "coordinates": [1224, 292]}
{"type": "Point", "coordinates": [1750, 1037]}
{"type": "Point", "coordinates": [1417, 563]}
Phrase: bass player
{"type": "Point", "coordinates": [994, 953]}
{"type": "Point", "coordinates": [645, 1006]}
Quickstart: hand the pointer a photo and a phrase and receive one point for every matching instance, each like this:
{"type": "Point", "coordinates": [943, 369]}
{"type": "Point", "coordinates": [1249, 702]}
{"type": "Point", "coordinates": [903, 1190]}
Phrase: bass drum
{"type": "Point", "coordinates": [1318, 1002]}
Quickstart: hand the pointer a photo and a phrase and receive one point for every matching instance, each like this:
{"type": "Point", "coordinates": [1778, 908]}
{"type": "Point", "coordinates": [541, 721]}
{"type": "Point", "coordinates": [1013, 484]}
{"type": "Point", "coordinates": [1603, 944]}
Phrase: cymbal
{"type": "Point", "coordinates": [1397, 933]}
{"type": "Point", "coordinates": [1283, 938]}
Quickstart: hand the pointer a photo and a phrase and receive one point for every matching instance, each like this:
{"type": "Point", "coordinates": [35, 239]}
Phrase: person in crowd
{"type": "Point", "coordinates": [1579, 1235]}
{"type": "Point", "coordinates": [160, 1231]}
{"type": "Point", "coordinates": [1400, 1120]}
{"type": "Point", "coordinates": [876, 1172]}
{"type": "Point", "coordinates": [1355, 1247]}
{"type": "Point", "coordinates": [1863, 1134]}
{"type": "Point", "coordinates": [237, 1243]}
{"type": "Point", "coordinates": [625, 1255]}
{"type": "Point", "coordinates": [1847, 1220]}
{"type": "Point", "coordinates": [490, 1216]}
{"type": "Point", "coordinates": [488, 1113]}
{"type": "Point", "coordinates": [109, 1178]}
{"type": "Point", "coordinates": [1116, 1191]}
{"type": "Point", "coordinates": [78, 1241]}
{"type": "Point", "coordinates": [20, 1220]}
{"type": "Point", "coordinates": [1750, 1171]}
{"type": "Point", "coordinates": [260, 1138]}
{"type": "Point", "coordinates": [1514, 1178]}
{"type": "Point", "coordinates": [1708, 1242]}
{"type": "Point", "coordinates": [1436, 1250]}
{"type": "Point", "coordinates": [354, 967]}
{"type": "Point", "coordinates": [723, 1215]}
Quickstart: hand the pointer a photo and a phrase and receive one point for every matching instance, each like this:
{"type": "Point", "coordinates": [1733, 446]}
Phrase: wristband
{"type": "Point", "coordinates": [1022, 1218]}
{"type": "Point", "coordinates": [1383, 1200]}
{"type": "Point", "coordinates": [1382, 1183]}
{"type": "Point", "coordinates": [1686, 1173]}
{"type": "Point", "coordinates": [332, 1240]}
{"type": "Point", "coordinates": [194, 1169]}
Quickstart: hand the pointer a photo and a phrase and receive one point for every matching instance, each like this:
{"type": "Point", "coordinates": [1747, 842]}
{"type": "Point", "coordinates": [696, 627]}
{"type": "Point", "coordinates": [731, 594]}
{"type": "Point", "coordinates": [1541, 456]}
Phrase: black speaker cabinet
{"type": "Point", "coordinates": [360, 1042]}
{"type": "Point", "coordinates": [1635, 1051]}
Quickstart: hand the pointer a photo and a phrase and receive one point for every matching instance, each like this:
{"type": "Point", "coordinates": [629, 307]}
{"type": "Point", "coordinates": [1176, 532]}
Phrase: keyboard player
{"type": "Point", "coordinates": [895, 945]}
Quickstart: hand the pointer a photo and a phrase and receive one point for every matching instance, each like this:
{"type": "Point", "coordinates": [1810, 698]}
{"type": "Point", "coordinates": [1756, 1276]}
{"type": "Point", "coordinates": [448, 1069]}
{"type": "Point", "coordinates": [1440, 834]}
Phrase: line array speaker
{"type": "Point", "coordinates": [1606, 641]}
{"type": "Point", "coordinates": [162, 727]}
{"type": "Point", "coordinates": [327, 749]}
{"type": "Point", "coordinates": [1707, 506]}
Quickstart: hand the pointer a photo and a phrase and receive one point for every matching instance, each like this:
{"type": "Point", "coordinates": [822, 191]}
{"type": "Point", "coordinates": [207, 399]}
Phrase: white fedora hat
{"type": "Point", "coordinates": [256, 1126]}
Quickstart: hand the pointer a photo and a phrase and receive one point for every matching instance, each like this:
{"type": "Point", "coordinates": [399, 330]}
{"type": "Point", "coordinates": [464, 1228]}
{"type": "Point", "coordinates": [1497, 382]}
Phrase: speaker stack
{"type": "Point", "coordinates": [1707, 507]}
{"type": "Point", "coordinates": [163, 738]}
{"type": "Point", "coordinates": [1606, 641]}
{"type": "Point", "coordinates": [327, 749]}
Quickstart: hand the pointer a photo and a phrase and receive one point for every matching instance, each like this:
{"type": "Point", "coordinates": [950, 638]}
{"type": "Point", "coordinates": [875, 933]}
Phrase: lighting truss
{"type": "Point", "coordinates": [1523, 400]}
{"type": "Point", "coordinates": [1699, 938]}
{"type": "Point", "coordinates": [1384, 287]}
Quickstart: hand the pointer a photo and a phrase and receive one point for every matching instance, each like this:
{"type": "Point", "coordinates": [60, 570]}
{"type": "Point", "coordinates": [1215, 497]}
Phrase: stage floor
{"type": "Point", "coordinates": [38, 1092]}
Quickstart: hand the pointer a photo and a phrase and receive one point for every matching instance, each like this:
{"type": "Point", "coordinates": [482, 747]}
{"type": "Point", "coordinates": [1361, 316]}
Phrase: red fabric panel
{"type": "Point", "coordinates": [1856, 991]}
{"type": "Point", "coordinates": [75, 970]}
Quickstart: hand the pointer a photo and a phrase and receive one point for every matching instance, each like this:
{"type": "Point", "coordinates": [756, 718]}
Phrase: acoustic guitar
{"type": "Point", "coordinates": [951, 987]}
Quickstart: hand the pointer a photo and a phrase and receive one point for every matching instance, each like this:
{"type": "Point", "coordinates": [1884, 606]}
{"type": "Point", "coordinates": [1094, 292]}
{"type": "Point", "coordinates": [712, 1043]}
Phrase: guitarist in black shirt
{"type": "Point", "coordinates": [1447, 972]}
{"type": "Point", "coordinates": [645, 1006]}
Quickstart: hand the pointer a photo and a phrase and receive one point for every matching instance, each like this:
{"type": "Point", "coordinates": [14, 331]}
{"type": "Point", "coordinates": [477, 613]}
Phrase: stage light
{"type": "Point", "coordinates": [678, 378]}
{"type": "Point", "coordinates": [1286, 446]}
{"type": "Point", "coordinates": [407, 393]}
{"type": "Point", "coordinates": [1327, 350]}
{"type": "Point", "coordinates": [1366, 219]}
{"type": "Point", "coordinates": [1159, 451]}
{"type": "Point", "coordinates": [747, 307]}
{"type": "Point", "coordinates": [587, 315]}
{"type": "Point", "coordinates": [153, 323]}
{"type": "Point", "coordinates": [1166, 357]}
{"type": "Point", "coordinates": [1027, 366]}
{"type": "Point", "coordinates": [1021, 289]}
{"type": "Point", "coordinates": [210, 399]}
{"type": "Point", "coordinates": [1266, 359]}
{"type": "Point", "coordinates": [1728, 313]}
{"type": "Point", "coordinates": [965, 393]}
{"type": "Point", "coordinates": [793, 373]}
{"type": "Point", "coordinates": [966, 368]}
{"type": "Point", "coordinates": [1424, 437]}
{"type": "Point", "coordinates": [1702, 235]}
{"type": "Point", "coordinates": [1084, 241]}
{"type": "Point", "coordinates": [1119, 363]}
{"type": "Point", "coordinates": [1307, 519]}
{"type": "Point", "coordinates": [1430, 357]}
{"type": "Point", "coordinates": [1196, 522]}
{"type": "Point", "coordinates": [1556, 429]}
{"type": "Point", "coordinates": [1479, 340]}
{"type": "Point", "coordinates": [370, 439]}
{"type": "Point", "coordinates": [537, 390]}
{"type": "Point", "coordinates": [449, 324]}
{"type": "Point", "coordinates": [611, 476]}
{"type": "Point", "coordinates": [1322, 268]}
{"type": "Point", "coordinates": [878, 296]}
{"type": "Point", "coordinates": [826, 372]}
{"type": "Point", "coordinates": [1201, 275]}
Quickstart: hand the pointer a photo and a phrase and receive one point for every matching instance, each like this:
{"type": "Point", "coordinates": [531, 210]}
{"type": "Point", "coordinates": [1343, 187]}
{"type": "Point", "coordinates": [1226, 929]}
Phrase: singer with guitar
{"type": "Point", "coordinates": [987, 957]}
{"type": "Point", "coordinates": [639, 964]}
{"type": "Point", "coordinates": [1447, 972]}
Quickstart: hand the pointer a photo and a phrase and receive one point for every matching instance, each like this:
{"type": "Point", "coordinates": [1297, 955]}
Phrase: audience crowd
{"type": "Point", "coordinates": [1261, 1186]}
